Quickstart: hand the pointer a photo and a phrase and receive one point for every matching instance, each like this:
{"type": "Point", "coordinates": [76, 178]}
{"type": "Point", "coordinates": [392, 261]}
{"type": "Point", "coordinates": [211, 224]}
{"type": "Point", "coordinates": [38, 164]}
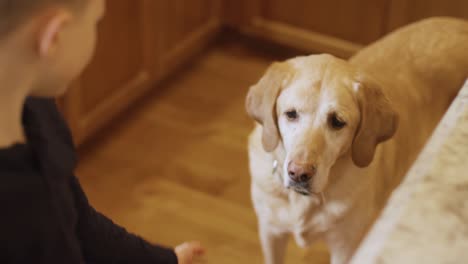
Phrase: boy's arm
{"type": "Point", "coordinates": [103, 241]}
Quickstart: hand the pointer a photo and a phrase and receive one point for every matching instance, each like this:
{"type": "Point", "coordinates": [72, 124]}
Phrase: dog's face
{"type": "Point", "coordinates": [321, 109]}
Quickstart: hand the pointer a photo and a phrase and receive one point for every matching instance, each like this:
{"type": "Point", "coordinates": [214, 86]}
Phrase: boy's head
{"type": "Point", "coordinates": [49, 41]}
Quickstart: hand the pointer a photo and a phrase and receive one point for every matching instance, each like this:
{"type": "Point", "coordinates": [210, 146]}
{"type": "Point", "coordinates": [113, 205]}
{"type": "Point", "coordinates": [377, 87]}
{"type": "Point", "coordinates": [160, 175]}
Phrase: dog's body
{"type": "Point", "coordinates": [419, 70]}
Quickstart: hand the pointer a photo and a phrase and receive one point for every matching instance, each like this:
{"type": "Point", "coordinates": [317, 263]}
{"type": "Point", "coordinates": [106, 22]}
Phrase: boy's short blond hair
{"type": "Point", "coordinates": [14, 12]}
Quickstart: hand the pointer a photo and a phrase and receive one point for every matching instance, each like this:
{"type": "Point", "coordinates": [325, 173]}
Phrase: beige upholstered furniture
{"type": "Point", "coordinates": [426, 219]}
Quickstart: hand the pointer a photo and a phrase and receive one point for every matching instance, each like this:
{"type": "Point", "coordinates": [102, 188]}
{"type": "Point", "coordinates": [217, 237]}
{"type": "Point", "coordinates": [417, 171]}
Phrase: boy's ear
{"type": "Point", "coordinates": [49, 33]}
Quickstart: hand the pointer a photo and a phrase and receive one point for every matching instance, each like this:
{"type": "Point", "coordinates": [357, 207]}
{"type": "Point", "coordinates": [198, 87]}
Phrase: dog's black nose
{"type": "Point", "coordinates": [301, 172]}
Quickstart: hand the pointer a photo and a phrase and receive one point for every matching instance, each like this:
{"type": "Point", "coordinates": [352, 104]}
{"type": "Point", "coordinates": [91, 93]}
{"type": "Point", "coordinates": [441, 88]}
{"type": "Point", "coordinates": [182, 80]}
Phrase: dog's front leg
{"type": "Point", "coordinates": [273, 244]}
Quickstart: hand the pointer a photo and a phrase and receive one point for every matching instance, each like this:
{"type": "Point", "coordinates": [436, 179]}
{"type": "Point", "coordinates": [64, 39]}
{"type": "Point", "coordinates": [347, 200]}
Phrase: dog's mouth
{"type": "Point", "coordinates": [303, 188]}
{"type": "Point", "coordinates": [300, 188]}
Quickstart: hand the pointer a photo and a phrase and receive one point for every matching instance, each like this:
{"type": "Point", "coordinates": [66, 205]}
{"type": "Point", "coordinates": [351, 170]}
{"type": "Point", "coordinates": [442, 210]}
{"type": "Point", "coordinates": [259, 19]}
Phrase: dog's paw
{"type": "Point", "coordinates": [302, 239]}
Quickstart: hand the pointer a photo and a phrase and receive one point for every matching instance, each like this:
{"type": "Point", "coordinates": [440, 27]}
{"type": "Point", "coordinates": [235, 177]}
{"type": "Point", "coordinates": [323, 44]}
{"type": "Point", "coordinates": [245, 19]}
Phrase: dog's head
{"type": "Point", "coordinates": [321, 109]}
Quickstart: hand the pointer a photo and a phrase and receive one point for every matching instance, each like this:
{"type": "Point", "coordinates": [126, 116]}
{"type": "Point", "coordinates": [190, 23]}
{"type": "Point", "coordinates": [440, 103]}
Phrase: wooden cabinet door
{"type": "Point", "coordinates": [403, 12]}
{"type": "Point", "coordinates": [116, 74]}
{"type": "Point", "coordinates": [186, 26]}
{"type": "Point", "coordinates": [334, 26]}
{"type": "Point", "coordinates": [140, 42]}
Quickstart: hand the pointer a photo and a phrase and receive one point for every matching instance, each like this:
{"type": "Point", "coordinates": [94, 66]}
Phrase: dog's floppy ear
{"type": "Point", "coordinates": [379, 120]}
{"type": "Point", "coordinates": [261, 101]}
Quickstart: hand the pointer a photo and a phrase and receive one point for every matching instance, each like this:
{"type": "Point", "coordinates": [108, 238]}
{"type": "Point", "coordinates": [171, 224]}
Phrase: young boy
{"type": "Point", "coordinates": [45, 216]}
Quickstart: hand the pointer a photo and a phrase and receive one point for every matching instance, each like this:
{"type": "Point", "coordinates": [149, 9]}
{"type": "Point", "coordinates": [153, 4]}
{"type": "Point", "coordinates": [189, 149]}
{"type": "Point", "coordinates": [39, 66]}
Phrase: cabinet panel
{"type": "Point", "coordinates": [405, 11]}
{"type": "Point", "coordinates": [358, 21]}
{"type": "Point", "coordinates": [185, 17]}
{"type": "Point", "coordinates": [140, 42]}
{"type": "Point", "coordinates": [116, 74]}
{"type": "Point", "coordinates": [339, 27]}
{"type": "Point", "coordinates": [187, 26]}
{"type": "Point", "coordinates": [118, 58]}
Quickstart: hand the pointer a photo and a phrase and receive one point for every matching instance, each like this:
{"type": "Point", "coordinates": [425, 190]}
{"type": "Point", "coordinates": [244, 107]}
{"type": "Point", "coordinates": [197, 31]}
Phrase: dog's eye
{"type": "Point", "coordinates": [336, 122]}
{"type": "Point", "coordinates": [292, 115]}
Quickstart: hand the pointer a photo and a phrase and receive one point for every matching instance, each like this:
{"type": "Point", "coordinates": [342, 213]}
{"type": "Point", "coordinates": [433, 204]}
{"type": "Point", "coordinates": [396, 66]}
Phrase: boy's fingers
{"type": "Point", "coordinates": [197, 248]}
{"type": "Point", "coordinates": [200, 251]}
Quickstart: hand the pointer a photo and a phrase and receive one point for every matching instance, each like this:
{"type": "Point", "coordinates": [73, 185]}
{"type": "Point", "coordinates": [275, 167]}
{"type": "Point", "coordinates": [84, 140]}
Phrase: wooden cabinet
{"type": "Point", "coordinates": [333, 26]}
{"type": "Point", "coordinates": [116, 73]}
{"type": "Point", "coordinates": [402, 12]}
{"type": "Point", "coordinates": [140, 42]}
{"type": "Point", "coordinates": [358, 21]}
{"type": "Point", "coordinates": [176, 29]}
{"type": "Point", "coordinates": [190, 24]}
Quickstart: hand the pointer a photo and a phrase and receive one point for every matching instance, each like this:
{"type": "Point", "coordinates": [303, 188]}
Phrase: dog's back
{"type": "Point", "coordinates": [433, 52]}
{"type": "Point", "coordinates": [421, 68]}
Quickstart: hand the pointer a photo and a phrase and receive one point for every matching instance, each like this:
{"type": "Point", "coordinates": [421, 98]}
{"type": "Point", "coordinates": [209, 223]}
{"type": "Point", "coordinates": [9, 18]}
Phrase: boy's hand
{"type": "Point", "coordinates": [187, 252]}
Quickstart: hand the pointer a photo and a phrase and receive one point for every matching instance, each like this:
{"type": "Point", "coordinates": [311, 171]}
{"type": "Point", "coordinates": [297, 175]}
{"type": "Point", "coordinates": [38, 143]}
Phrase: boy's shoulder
{"type": "Point", "coordinates": [41, 115]}
{"type": "Point", "coordinates": [48, 133]}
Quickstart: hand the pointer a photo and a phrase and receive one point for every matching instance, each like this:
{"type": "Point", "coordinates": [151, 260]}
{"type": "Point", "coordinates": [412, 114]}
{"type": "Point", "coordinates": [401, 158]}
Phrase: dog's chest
{"type": "Point", "coordinates": [318, 222]}
{"type": "Point", "coordinates": [306, 218]}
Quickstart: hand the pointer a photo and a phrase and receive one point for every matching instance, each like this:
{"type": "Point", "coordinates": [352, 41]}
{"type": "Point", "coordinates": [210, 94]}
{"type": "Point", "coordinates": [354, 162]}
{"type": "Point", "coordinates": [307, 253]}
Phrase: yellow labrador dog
{"type": "Point", "coordinates": [334, 137]}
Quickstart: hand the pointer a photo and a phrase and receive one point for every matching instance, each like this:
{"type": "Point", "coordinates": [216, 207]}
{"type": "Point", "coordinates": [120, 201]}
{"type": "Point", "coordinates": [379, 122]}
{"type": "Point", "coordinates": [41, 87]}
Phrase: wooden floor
{"type": "Point", "coordinates": [175, 167]}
